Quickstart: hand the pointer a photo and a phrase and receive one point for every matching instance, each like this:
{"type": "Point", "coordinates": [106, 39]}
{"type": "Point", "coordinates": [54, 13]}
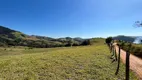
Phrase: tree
{"type": "Point", "coordinates": [70, 42]}
{"type": "Point", "coordinates": [108, 40]}
{"type": "Point", "coordinates": [76, 43]}
{"type": "Point", "coordinates": [138, 24]}
{"type": "Point", "coordinates": [17, 41]}
{"type": "Point", "coordinates": [86, 42]}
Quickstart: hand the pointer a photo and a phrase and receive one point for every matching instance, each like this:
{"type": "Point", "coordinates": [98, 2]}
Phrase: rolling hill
{"type": "Point", "coordinates": [9, 37]}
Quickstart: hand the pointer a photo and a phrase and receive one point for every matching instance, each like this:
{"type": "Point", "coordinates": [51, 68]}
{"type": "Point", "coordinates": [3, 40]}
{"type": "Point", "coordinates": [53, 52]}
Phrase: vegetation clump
{"type": "Point", "coordinates": [135, 49]}
{"type": "Point", "coordinates": [108, 40]}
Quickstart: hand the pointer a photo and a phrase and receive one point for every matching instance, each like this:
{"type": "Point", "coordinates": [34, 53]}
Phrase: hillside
{"type": "Point", "coordinates": [9, 37]}
{"type": "Point", "coordinates": [9, 33]}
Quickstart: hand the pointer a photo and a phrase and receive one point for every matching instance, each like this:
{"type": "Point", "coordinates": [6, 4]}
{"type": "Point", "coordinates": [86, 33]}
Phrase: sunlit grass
{"type": "Point", "coordinates": [74, 63]}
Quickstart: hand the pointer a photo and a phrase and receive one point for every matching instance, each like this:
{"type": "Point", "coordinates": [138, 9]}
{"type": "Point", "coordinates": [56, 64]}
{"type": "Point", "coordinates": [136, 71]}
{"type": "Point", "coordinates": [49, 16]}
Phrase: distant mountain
{"type": "Point", "coordinates": [126, 38]}
{"type": "Point", "coordinates": [9, 37]}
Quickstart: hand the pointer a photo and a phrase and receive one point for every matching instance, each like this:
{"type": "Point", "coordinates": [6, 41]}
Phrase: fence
{"type": "Point", "coordinates": [116, 57]}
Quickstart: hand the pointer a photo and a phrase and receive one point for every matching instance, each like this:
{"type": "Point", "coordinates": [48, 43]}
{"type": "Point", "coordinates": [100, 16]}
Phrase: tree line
{"type": "Point", "coordinates": [43, 43]}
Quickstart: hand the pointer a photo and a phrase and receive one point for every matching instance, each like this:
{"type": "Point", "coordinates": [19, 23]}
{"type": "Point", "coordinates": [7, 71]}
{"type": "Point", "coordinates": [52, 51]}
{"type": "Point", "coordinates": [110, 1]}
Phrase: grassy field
{"type": "Point", "coordinates": [74, 63]}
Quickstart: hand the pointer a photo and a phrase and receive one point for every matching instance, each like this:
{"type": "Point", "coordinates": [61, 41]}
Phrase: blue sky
{"type": "Point", "coordinates": [74, 18]}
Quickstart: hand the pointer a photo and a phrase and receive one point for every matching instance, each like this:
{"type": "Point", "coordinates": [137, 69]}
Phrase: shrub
{"type": "Point", "coordinates": [135, 49]}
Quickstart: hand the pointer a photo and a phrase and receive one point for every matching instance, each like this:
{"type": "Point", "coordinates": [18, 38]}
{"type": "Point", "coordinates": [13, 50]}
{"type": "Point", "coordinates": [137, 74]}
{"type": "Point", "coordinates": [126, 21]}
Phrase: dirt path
{"type": "Point", "coordinates": [135, 62]}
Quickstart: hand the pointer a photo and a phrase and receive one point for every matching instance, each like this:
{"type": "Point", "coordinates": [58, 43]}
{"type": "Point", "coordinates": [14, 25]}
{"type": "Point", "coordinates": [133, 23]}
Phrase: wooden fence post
{"type": "Point", "coordinates": [118, 61]}
{"type": "Point", "coordinates": [112, 51]}
{"type": "Point", "coordinates": [127, 65]}
{"type": "Point", "coordinates": [128, 62]}
{"type": "Point", "coordinates": [111, 47]}
{"type": "Point", "coordinates": [115, 53]}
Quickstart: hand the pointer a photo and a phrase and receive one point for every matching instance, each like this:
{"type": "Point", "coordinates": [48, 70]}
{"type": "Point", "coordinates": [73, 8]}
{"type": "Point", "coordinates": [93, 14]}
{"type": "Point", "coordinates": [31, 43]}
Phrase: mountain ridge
{"type": "Point", "coordinates": [127, 38]}
{"type": "Point", "coordinates": [9, 37]}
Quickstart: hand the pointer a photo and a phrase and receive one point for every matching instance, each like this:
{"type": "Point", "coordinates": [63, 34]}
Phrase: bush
{"type": "Point", "coordinates": [135, 49]}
